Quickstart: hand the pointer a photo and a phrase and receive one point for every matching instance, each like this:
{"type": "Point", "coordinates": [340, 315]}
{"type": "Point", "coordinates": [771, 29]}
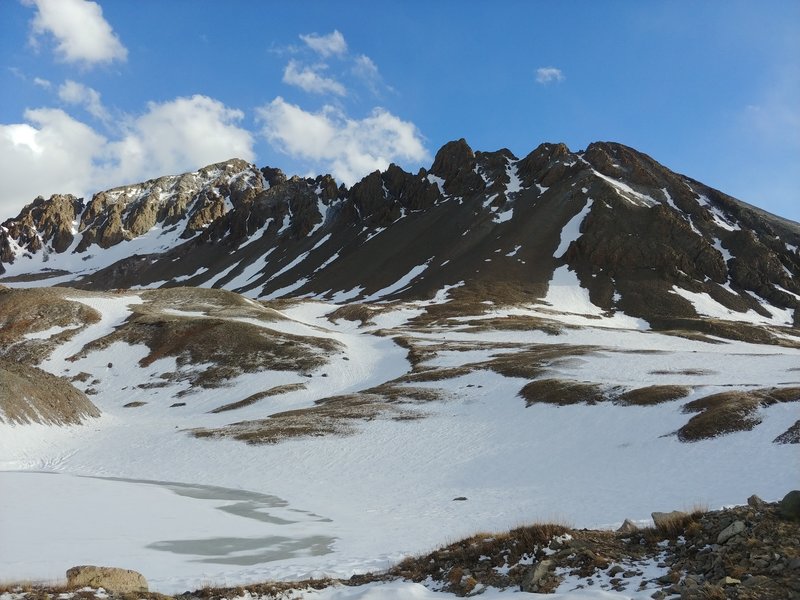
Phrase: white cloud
{"type": "Point", "coordinates": [72, 92]}
{"type": "Point", "coordinates": [42, 83]}
{"type": "Point", "coordinates": [348, 148]}
{"type": "Point", "coordinates": [365, 69]}
{"type": "Point", "coordinates": [310, 80]}
{"type": "Point", "coordinates": [326, 45]}
{"type": "Point", "coordinates": [185, 133]}
{"type": "Point", "coordinates": [53, 152]}
{"type": "Point", "coordinates": [545, 75]}
{"type": "Point", "coordinates": [82, 34]}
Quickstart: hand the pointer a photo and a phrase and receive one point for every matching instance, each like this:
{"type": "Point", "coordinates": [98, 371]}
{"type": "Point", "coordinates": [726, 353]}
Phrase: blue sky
{"type": "Point", "coordinates": [97, 94]}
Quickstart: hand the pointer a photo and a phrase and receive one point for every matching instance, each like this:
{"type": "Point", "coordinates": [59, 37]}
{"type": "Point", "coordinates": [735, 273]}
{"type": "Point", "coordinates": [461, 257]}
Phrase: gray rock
{"type": "Point", "coordinates": [628, 526]}
{"type": "Point", "coordinates": [790, 506]}
{"type": "Point", "coordinates": [111, 579]}
{"type": "Point", "coordinates": [755, 502]}
{"type": "Point", "coordinates": [731, 530]}
{"type": "Point", "coordinates": [535, 576]}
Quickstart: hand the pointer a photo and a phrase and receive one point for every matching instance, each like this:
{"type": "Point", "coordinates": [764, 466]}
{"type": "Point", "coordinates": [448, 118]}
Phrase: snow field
{"type": "Point", "coordinates": [387, 491]}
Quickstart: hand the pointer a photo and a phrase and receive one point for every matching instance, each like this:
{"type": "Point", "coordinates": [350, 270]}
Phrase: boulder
{"type": "Point", "coordinates": [755, 502]}
{"type": "Point", "coordinates": [534, 577]}
{"type": "Point", "coordinates": [730, 531]}
{"type": "Point", "coordinates": [628, 526]}
{"type": "Point", "coordinates": [790, 506]}
{"type": "Point", "coordinates": [111, 579]}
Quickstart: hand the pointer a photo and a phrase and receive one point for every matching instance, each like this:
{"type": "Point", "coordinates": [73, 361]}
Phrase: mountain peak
{"type": "Point", "coordinates": [630, 233]}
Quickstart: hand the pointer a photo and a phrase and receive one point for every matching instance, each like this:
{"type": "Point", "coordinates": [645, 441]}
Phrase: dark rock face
{"type": "Point", "coordinates": [639, 237]}
{"type": "Point", "coordinates": [790, 506]}
{"type": "Point", "coordinates": [41, 222]}
{"type": "Point", "coordinates": [455, 163]}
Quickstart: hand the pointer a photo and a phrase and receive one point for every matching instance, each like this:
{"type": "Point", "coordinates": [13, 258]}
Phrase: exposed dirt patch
{"type": "Point", "coordinates": [30, 395]}
{"type": "Point", "coordinates": [134, 404]}
{"type": "Point", "coordinates": [253, 398]}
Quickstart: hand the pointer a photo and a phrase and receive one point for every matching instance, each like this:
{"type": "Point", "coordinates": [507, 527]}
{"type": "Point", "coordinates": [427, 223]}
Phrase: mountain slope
{"type": "Point", "coordinates": [611, 221]}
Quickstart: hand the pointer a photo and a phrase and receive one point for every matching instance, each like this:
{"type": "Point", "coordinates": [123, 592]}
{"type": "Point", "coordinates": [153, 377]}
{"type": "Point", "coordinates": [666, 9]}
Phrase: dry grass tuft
{"type": "Point", "coordinates": [363, 313]}
{"type": "Point", "coordinates": [336, 415]}
{"type": "Point", "coordinates": [230, 347]}
{"type": "Point", "coordinates": [562, 392]}
{"type": "Point", "coordinates": [653, 394]}
{"type": "Point", "coordinates": [450, 563]}
{"type": "Point", "coordinates": [31, 395]}
{"type": "Point", "coordinates": [253, 398]}
{"type": "Point", "coordinates": [719, 414]}
{"type": "Point", "coordinates": [681, 523]}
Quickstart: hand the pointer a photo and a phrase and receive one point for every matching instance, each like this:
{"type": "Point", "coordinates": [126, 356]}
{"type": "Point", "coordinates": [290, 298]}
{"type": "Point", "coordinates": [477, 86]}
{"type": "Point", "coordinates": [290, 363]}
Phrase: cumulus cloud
{"type": "Point", "coordinates": [348, 148]}
{"type": "Point", "coordinates": [42, 83]}
{"type": "Point", "coordinates": [367, 71]}
{"type": "Point", "coordinates": [326, 45]}
{"type": "Point", "coordinates": [72, 92]}
{"type": "Point", "coordinates": [545, 75]}
{"type": "Point", "coordinates": [81, 33]}
{"type": "Point", "coordinates": [310, 80]}
{"type": "Point", "coordinates": [52, 152]}
{"type": "Point", "coordinates": [185, 133]}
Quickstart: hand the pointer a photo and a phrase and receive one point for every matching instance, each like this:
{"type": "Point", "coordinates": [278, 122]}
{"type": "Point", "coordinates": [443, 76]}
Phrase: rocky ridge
{"type": "Point", "coordinates": [641, 239]}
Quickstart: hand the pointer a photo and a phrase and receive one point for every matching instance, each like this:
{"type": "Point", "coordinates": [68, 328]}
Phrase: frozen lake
{"type": "Point", "coordinates": [50, 522]}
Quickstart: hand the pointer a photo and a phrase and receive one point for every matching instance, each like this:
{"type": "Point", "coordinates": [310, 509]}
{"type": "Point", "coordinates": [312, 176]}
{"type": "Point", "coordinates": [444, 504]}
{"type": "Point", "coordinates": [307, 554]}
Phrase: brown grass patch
{"type": "Point", "coordinates": [229, 347]}
{"type": "Point", "coordinates": [534, 360]}
{"type": "Point", "coordinates": [31, 395]}
{"type": "Point", "coordinates": [362, 313]}
{"type": "Point", "coordinates": [24, 311]}
{"type": "Point", "coordinates": [212, 302]}
{"type": "Point", "coordinates": [562, 392]}
{"type": "Point", "coordinates": [253, 398]}
{"type": "Point", "coordinates": [336, 415]}
{"type": "Point", "coordinates": [719, 414]}
{"type": "Point", "coordinates": [516, 323]}
{"type": "Point", "coordinates": [731, 330]}
{"type": "Point", "coordinates": [676, 524]}
{"type": "Point", "coordinates": [652, 395]}
{"type": "Point", "coordinates": [691, 372]}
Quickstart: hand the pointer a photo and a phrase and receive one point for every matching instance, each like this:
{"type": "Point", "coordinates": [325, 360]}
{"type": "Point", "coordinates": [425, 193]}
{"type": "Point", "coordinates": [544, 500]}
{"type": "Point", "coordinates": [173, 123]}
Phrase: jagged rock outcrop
{"type": "Point", "coordinates": [640, 238]}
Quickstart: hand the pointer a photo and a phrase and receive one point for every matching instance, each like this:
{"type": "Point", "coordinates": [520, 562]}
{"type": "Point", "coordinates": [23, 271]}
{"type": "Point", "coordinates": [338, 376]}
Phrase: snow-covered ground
{"type": "Point", "coordinates": [189, 512]}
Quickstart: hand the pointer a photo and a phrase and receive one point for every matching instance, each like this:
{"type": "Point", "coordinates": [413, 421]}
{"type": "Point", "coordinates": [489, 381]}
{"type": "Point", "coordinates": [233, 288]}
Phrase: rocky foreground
{"type": "Point", "coordinates": [743, 552]}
